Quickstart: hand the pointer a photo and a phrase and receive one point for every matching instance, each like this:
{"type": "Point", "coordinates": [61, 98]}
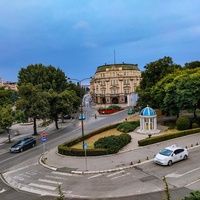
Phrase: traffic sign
{"type": "Point", "coordinates": [43, 135]}
{"type": "Point", "coordinates": [85, 145]}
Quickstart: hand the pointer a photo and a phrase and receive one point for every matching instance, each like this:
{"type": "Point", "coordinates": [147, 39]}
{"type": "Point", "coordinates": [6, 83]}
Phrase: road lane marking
{"type": "Point", "coordinates": [43, 186]}
{"type": "Point", "coordinates": [175, 175]}
{"type": "Point", "coordinates": [49, 181]}
{"type": "Point", "coordinates": [97, 175]}
{"type": "Point", "coordinates": [3, 190]}
{"type": "Point", "coordinates": [36, 191]}
{"type": "Point", "coordinates": [55, 177]}
{"type": "Point", "coordinates": [113, 174]}
{"type": "Point", "coordinates": [120, 176]}
{"type": "Point", "coordinates": [192, 183]}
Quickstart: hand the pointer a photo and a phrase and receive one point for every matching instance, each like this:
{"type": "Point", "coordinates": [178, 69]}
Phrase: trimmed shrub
{"type": "Point", "coordinates": [164, 137]}
{"type": "Point", "coordinates": [113, 143]}
{"type": "Point", "coordinates": [195, 125]}
{"type": "Point", "coordinates": [127, 127]}
{"type": "Point", "coordinates": [183, 123]}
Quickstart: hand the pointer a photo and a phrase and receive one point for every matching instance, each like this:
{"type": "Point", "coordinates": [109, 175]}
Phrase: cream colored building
{"type": "Point", "coordinates": [115, 84]}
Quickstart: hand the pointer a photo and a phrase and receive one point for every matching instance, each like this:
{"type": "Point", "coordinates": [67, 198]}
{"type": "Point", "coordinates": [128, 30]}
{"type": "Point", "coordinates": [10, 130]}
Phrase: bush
{"type": "Point", "coordinates": [195, 125]}
{"type": "Point", "coordinates": [127, 127]}
{"type": "Point", "coordinates": [113, 143]}
{"type": "Point", "coordinates": [113, 107]}
{"type": "Point", "coordinates": [164, 137]}
{"type": "Point", "coordinates": [183, 123]}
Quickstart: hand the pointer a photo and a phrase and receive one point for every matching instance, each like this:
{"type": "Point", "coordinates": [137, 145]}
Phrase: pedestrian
{"type": "Point", "coordinates": [95, 116]}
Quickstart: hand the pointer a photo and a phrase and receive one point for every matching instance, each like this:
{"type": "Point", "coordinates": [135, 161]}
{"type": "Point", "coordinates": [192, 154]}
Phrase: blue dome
{"type": "Point", "coordinates": [148, 112]}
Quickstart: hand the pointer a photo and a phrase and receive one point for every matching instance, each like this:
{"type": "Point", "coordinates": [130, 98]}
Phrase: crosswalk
{"type": "Point", "coordinates": [49, 183]}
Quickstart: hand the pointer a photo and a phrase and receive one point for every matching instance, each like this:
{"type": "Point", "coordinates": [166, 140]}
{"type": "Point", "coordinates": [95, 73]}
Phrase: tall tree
{"type": "Point", "coordinates": [154, 72]}
{"type": "Point", "coordinates": [6, 119]}
{"type": "Point", "coordinates": [62, 103]}
{"type": "Point", "coordinates": [33, 101]}
{"type": "Point", "coordinates": [47, 76]}
{"type": "Point", "coordinates": [192, 65]}
{"type": "Point", "coordinates": [5, 96]}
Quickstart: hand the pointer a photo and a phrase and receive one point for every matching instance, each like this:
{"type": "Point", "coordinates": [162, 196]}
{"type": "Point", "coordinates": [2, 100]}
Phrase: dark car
{"type": "Point", "coordinates": [23, 144]}
{"type": "Point", "coordinates": [68, 117]}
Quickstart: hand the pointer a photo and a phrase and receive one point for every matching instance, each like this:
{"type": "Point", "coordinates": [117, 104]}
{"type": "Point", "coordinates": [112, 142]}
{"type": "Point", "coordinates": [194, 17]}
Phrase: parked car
{"type": "Point", "coordinates": [23, 144]}
{"type": "Point", "coordinates": [171, 155]}
{"type": "Point", "coordinates": [68, 117]}
{"type": "Point", "coordinates": [130, 111]}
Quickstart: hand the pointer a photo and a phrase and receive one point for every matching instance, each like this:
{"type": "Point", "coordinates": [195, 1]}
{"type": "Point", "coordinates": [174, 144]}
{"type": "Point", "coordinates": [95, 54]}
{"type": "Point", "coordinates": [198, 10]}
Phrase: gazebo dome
{"type": "Point", "coordinates": [147, 112]}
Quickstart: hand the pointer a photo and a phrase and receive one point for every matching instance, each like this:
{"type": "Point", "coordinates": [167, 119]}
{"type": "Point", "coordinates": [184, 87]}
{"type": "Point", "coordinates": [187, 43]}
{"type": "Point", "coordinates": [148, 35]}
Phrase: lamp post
{"type": "Point", "coordinates": [81, 117]}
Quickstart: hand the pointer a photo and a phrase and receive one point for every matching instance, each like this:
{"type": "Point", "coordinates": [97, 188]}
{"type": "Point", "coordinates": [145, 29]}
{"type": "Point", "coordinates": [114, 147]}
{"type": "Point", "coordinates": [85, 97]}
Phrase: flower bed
{"type": "Point", "coordinates": [107, 111]}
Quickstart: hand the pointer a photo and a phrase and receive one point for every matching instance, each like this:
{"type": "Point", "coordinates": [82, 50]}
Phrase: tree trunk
{"type": "Point", "coordinates": [56, 123]}
{"type": "Point", "coordinates": [34, 127]}
{"type": "Point", "coordinates": [195, 115]}
{"type": "Point", "coordinates": [9, 139]}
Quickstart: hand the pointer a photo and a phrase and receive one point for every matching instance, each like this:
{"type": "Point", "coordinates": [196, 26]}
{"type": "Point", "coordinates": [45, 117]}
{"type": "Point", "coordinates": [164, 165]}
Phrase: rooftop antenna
{"type": "Point", "coordinates": [114, 56]}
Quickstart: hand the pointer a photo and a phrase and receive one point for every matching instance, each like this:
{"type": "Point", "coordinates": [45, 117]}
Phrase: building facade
{"type": "Point", "coordinates": [115, 84]}
{"type": "Point", "coordinates": [8, 84]}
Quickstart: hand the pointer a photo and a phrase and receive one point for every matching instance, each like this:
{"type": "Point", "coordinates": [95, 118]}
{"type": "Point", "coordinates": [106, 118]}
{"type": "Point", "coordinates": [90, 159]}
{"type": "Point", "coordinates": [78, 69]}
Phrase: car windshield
{"type": "Point", "coordinates": [165, 152]}
{"type": "Point", "coordinates": [20, 142]}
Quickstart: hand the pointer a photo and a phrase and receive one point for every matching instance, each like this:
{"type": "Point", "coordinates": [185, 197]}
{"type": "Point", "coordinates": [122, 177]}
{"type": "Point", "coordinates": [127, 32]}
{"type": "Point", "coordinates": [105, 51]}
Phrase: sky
{"type": "Point", "coordinates": [77, 36]}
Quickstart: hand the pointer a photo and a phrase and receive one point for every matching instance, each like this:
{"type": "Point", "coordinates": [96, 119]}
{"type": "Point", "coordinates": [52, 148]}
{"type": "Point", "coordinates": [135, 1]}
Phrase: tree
{"type": "Point", "coordinates": [178, 91]}
{"type": "Point", "coordinates": [187, 88]}
{"type": "Point", "coordinates": [34, 103]}
{"type": "Point", "coordinates": [47, 76]}
{"type": "Point", "coordinates": [5, 96]}
{"type": "Point", "coordinates": [154, 72]}
{"type": "Point", "coordinates": [192, 65]}
{"type": "Point", "coordinates": [62, 103]}
{"type": "Point", "coordinates": [6, 119]}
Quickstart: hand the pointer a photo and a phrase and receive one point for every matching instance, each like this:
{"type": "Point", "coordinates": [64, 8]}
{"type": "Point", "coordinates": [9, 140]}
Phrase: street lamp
{"type": "Point", "coordinates": [81, 117]}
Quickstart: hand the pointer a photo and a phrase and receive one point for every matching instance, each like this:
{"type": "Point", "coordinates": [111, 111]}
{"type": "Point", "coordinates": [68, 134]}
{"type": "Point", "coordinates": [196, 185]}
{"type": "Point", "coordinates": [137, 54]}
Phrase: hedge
{"type": "Point", "coordinates": [160, 138]}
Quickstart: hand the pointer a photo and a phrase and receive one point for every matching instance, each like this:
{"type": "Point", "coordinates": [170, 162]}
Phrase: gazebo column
{"type": "Point", "coordinates": [155, 123]}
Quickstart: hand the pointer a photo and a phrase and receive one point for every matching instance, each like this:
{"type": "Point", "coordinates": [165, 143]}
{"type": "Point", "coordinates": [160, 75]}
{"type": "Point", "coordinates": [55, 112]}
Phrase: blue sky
{"type": "Point", "coordinates": [79, 35]}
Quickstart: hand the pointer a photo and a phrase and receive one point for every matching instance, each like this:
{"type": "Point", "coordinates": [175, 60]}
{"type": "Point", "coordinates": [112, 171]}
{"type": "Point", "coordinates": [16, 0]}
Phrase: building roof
{"type": "Point", "coordinates": [147, 112]}
{"type": "Point", "coordinates": [123, 66]}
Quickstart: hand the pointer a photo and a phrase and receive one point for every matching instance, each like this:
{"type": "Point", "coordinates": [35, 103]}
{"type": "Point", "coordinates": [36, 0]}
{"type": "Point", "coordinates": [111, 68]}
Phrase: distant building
{"type": "Point", "coordinates": [8, 85]}
{"type": "Point", "coordinates": [115, 84]}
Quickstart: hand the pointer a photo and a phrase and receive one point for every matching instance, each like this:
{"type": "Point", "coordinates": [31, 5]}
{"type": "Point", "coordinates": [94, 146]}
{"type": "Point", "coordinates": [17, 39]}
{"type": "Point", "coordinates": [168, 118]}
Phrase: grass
{"type": "Point", "coordinates": [90, 141]}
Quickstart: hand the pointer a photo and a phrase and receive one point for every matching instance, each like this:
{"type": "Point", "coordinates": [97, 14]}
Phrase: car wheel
{"type": "Point", "coordinates": [170, 163]}
{"type": "Point", "coordinates": [185, 157]}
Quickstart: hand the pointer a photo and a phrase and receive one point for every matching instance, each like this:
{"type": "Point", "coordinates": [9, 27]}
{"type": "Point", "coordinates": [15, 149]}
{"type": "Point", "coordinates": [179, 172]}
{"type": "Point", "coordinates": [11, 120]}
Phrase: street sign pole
{"type": "Point", "coordinates": [43, 141]}
{"type": "Point", "coordinates": [43, 148]}
{"type": "Point", "coordinates": [85, 147]}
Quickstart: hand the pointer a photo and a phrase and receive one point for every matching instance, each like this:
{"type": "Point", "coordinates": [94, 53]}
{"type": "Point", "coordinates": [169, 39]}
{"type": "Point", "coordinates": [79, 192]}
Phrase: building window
{"type": "Point", "coordinates": [103, 91]}
{"type": "Point", "coordinates": [125, 73]}
{"type": "Point", "coordinates": [126, 91]}
{"type": "Point", "coordinates": [126, 81]}
{"type": "Point", "coordinates": [102, 75]}
{"type": "Point", "coordinates": [114, 82]}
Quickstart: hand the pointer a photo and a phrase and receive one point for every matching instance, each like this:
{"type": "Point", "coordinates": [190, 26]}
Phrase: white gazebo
{"type": "Point", "coordinates": [148, 121]}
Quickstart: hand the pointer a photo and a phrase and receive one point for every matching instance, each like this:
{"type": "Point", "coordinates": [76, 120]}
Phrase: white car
{"type": "Point", "coordinates": [170, 155]}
